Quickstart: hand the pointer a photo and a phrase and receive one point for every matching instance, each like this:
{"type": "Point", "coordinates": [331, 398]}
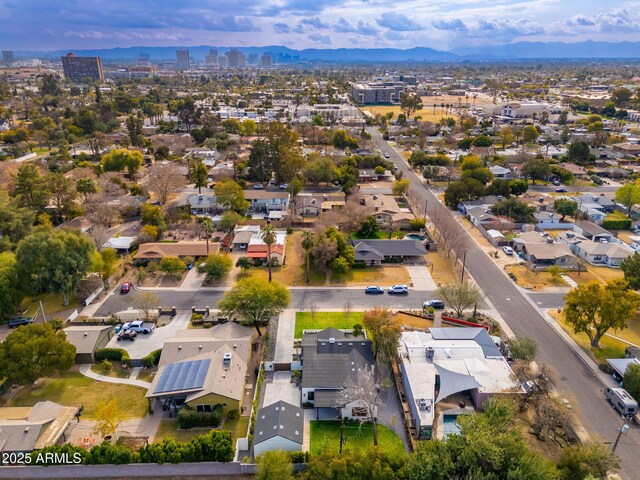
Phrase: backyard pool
{"type": "Point", "coordinates": [414, 236]}
{"type": "Point", "coordinates": [450, 425]}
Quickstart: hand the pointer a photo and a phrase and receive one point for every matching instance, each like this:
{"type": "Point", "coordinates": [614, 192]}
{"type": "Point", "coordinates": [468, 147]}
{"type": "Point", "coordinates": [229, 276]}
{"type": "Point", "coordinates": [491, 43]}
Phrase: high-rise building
{"type": "Point", "coordinates": [212, 58]}
{"type": "Point", "coordinates": [222, 61]}
{"type": "Point", "coordinates": [183, 61]}
{"type": "Point", "coordinates": [7, 56]}
{"type": "Point", "coordinates": [80, 69]}
{"type": "Point", "coordinates": [266, 60]}
{"type": "Point", "coordinates": [252, 59]}
{"type": "Point", "coordinates": [235, 58]}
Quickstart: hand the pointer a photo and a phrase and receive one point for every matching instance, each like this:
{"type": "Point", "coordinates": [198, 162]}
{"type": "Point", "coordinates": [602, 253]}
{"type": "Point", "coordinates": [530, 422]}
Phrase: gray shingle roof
{"type": "Point", "coordinates": [405, 248]}
{"type": "Point", "coordinates": [480, 335]}
{"type": "Point", "coordinates": [279, 419]}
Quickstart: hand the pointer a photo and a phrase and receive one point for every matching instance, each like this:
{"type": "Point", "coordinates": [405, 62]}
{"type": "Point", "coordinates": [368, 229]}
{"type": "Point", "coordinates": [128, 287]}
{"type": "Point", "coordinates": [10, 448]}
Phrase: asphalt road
{"type": "Point", "coordinates": [575, 378]}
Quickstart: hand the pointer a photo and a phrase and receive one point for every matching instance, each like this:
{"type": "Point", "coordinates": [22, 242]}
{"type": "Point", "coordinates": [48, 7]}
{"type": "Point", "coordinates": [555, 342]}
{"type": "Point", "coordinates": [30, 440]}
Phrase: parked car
{"type": "Point", "coordinates": [127, 335]}
{"type": "Point", "coordinates": [126, 287]}
{"type": "Point", "coordinates": [398, 290]}
{"type": "Point", "coordinates": [436, 304]}
{"type": "Point", "coordinates": [386, 155]}
{"type": "Point", "coordinates": [556, 183]}
{"type": "Point", "coordinates": [561, 190]}
{"type": "Point", "coordinates": [284, 186]}
{"type": "Point", "coordinates": [258, 186]}
{"type": "Point", "coordinates": [373, 290]}
{"type": "Point", "coordinates": [138, 326]}
{"type": "Point", "coordinates": [19, 321]}
{"type": "Point", "coordinates": [507, 250]}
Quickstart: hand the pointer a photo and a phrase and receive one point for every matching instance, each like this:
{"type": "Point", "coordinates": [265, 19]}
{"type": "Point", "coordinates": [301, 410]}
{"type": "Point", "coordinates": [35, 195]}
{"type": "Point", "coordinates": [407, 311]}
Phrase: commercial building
{"type": "Point", "coordinates": [377, 93]}
{"type": "Point", "coordinates": [266, 60]}
{"type": "Point", "coordinates": [211, 58]}
{"type": "Point", "coordinates": [235, 58]}
{"type": "Point", "coordinates": [7, 56]}
{"type": "Point", "coordinates": [82, 69]}
{"type": "Point", "coordinates": [182, 59]}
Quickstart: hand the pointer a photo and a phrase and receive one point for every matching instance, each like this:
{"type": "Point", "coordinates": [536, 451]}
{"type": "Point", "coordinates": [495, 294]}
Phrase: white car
{"type": "Point", "coordinates": [507, 250]}
{"type": "Point", "coordinates": [398, 289]}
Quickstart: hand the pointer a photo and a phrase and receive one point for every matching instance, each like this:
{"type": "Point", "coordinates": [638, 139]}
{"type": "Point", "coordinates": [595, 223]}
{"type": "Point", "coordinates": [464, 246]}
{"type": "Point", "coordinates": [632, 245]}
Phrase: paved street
{"type": "Point", "coordinates": [574, 376]}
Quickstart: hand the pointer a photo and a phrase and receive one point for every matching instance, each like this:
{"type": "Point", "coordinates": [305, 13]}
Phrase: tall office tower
{"type": "Point", "coordinates": [222, 61]}
{"type": "Point", "coordinates": [182, 57]}
{"type": "Point", "coordinates": [81, 69]}
{"type": "Point", "coordinates": [235, 58]}
{"type": "Point", "coordinates": [252, 59]}
{"type": "Point", "coordinates": [7, 56]}
{"type": "Point", "coordinates": [266, 60]}
{"type": "Point", "coordinates": [212, 58]}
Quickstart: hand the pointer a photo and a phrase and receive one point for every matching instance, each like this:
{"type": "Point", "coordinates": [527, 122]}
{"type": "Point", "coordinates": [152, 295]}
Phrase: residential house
{"type": "Point", "coordinates": [539, 201]}
{"type": "Point", "coordinates": [157, 251]}
{"type": "Point", "coordinates": [84, 224]}
{"type": "Point", "coordinates": [330, 359]}
{"type": "Point", "coordinates": [313, 204]}
{"type": "Point", "coordinates": [593, 232]}
{"type": "Point", "coordinates": [547, 220]}
{"type": "Point", "coordinates": [602, 253]}
{"type": "Point", "coordinates": [267, 200]}
{"type": "Point", "coordinates": [540, 256]}
{"type": "Point", "coordinates": [88, 339]}
{"type": "Point", "coordinates": [279, 426]}
{"type": "Point", "coordinates": [620, 365]}
{"type": "Point", "coordinates": [370, 175]}
{"type": "Point", "coordinates": [24, 429]}
{"type": "Point", "coordinates": [387, 212]}
{"type": "Point", "coordinates": [444, 361]}
{"type": "Point", "coordinates": [500, 172]}
{"type": "Point", "coordinates": [627, 149]}
{"type": "Point", "coordinates": [375, 252]}
{"type": "Point", "coordinates": [575, 170]}
{"type": "Point", "coordinates": [481, 216]}
{"type": "Point", "coordinates": [526, 238]}
{"type": "Point", "coordinates": [257, 249]}
{"type": "Point", "coordinates": [204, 368]}
{"type": "Point", "coordinates": [242, 236]}
{"type": "Point", "coordinates": [202, 203]}
{"type": "Point", "coordinates": [485, 202]}
{"type": "Point", "coordinates": [120, 244]}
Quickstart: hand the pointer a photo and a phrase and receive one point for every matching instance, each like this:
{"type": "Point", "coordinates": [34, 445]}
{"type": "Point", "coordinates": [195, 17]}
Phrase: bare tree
{"type": "Point", "coordinates": [313, 309]}
{"type": "Point", "coordinates": [166, 179]}
{"type": "Point", "coordinates": [99, 234]}
{"type": "Point", "coordinates": [460, 296]}
{"type": "Point", "coordinates": [100, 211]}
{"type": "Point", "coordinates": [365, 393]}
{"type": "Point", "coordinates": [346, 308]}
{"type": "Point", "coordinates": [146, 302]}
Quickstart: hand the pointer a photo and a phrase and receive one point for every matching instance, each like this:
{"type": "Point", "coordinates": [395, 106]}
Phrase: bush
{"type": "Point", "coordinates": [197, 318]}
{"type": "Point", "coordinates": [213, 447]}
{"type": "Point", "coordinates": [106, 366]}
{"type": "Point", "coordinates": [39, 457]}
{"type": "Point", "coordinates": [110, 454]}
{"type": "Point", "coordinates": [189, 418]}
{"type": "Point", "coordinates": [233, 414]}
{"type": "Point", "coordinates": [299, 457]}
{"type": "Point", "coordinates": [152, 359]}
{"type": "Point", "coordinates": [616, 222]}
{"type": "Point", "coordinates": [416, 224]}
{"type": "Point", "coordinates": [117, 354]}
{"type": "Point", "coordinates": [257, 262]}
{"type": "Point", "coordinates": [289, 230]}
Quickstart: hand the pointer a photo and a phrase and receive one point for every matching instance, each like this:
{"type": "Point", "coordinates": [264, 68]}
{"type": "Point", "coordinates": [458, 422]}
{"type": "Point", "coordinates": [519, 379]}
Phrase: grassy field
{"type": "Point", "coordinates": [326, 436]}
{"type": "Point", "coordinates": [50, 302]}
{"type": "Point", "coordinates": [537, 280]}
{"type": "Point", "coordinates": [116, 371]}
{"type": "Point", "coordinates": [321, 320]}
{"type": "Point", "coordinates": [444, 269]}
{"type": "Point", "coordinates": [147, 374]}
{"type": "Point", "coordinates": [597, 274]}
{"type": "Point", "coordinates": [169, 428]}
{"type": "Point", "coordinates": [74, 389]}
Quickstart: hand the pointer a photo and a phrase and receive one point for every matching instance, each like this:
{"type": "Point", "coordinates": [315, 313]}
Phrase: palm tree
{"type": "Point", "coordinates": [207, 227]}
{"type": "Point", "coordinates": [307, 245]}
{"type": "Point", "coordinates": [269, 238]}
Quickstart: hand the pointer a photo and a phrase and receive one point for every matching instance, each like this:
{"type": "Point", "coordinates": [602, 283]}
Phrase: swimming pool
{"type": "Point", "coordinates": [414, 236]}
{"type": "Point", "coordinates": [450, 425]}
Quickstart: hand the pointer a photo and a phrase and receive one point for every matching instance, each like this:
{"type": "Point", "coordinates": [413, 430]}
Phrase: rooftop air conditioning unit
{"type": "Point", "coordinates": [227, 357]}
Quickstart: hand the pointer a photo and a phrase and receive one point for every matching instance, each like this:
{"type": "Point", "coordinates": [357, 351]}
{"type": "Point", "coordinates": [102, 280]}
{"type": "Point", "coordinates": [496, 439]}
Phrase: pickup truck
{"type": "Point", "coordinates": [138, 326]}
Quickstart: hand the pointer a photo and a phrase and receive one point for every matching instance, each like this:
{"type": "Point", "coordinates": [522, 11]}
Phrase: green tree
{"type": "Point", "coordinates": [536, 169]}
{"type": "Point", "coordinates": [460, 296]}
{"type": "Point", "coordinates": [307, 244]}
{"type": "Point", "coordinates": [342, 139]}
{"type": "Point", "coordinates": [200, 176]}
{"type": "Point", "coordinates": [35, 351]}
{"type": "Point", "coordinates": [245, 264]}
{"type": "Point", "coordinates": [621, 96]}
{"type": "Point", "coordinates": [231, 125]}
{"type": "Point", "coordinates": [274, 465]}
{"type": "Point", "coordinates": [500, 187]}
{"type": "Point", "coordinates": [482, 175]}
{"type": "Point", "coordinates": [173, 266]}
{"type": "Point", "coordinates": [216, 266]}
{"type": "Point", "coordinates": [518, 187]}
{"type": "Point", "coordinates": [466, 190]}
{"type": "Point", "coordinates": [564, 207]}
{"type": "Point", "coordinates": [153, 215]}
{"type": "Point", "coordinates": [369, 227]}
{"type": "Point", "coordinates": [108, 416]}
{"type": "Point", "coordinates": [86, 186]}
{"type": "Point", "coordinates": [506, 136]}
{"type": "Point", "coordinates": [229, 220]}
{"type": "Point", "coordinates": [105, 263]}
{"type": "Point", "coordinates": [134, 125]}
{"type": "Point", "coordinates": [11, 291]}
{"type": "Point", "coordinates": [230, 195]}
{"type": "Point", "coordinates": [410, 103]}
{"type": "Point", "coordinates": [255, 301]}
{"type": "Point", "coordinates": [513, 208]}
{"type": "Point", "coordinates": [118, 160]}
{"type": "Point", "coordinates": [16, 221]}
{"type": "Point", "coordinates": [62, 194]}
{"type": "Point", "coordinates": [628, 195]}
{"type": "Point", "coordinates": [594, 309]}
{"type": "Point", "coordinates": [579, 152]}
{"type": "Point", "coordinates": [631, 380]}
{"type": "Point", "coordinates": [530, 134]}
{"type": "Point", "coordinates": [523, 348]}
{"type": "Point", "coordinates": [354, 464]}
{"type": "Point", "coordinates": [383, 331]}
{"type": "Point", "coordinates": [54, 261]}
{"type": "Point", "coordinates": [589, 460]}
{"type": "Point", "coordinates": [631, 268]}
{"type": "Point", "coordinates": [30, 187]}
{"type": "Point", "coordinates": [248, 128]}
{"type": "Point", "coordinates": [269, 237]}
{"type": "Point", "coordinates": [323, 169]}
{"type": "Point", "coordinates": [400, 187]}
{"type": "Point", "coordinates": [471, 162]}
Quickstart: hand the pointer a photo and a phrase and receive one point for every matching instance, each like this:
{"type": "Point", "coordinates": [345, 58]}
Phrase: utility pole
{"type": "Point", "coordinates": [44, 317]}
{"type": "Point", "coordinates": [622, 431]}
{"type": "Point", "coordinates": [426, 204]}
{"type": "Point", "coordinates": [342, 439]}
{"type": "Point", "coordinates": [464, 261]}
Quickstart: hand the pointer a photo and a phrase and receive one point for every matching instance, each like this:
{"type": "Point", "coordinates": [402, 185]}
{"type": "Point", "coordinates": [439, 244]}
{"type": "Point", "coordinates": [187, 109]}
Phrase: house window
{"type": "Point", "coordinates": [358, 412]}
{"type": "Point", "coordinates": [311, 396]}
{"type": "Point", "coordinates": [203, 408]}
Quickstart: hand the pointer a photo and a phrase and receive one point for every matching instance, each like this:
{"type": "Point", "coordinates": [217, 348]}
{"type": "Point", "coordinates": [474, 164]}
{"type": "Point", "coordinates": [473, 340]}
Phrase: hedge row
{"type": "Point", "coordinates": [617, 224]}
{"type": "Point", "coordinates": [152, 359]}
{"type": "Point", "coordinates": [189, 418]}
{"type": "Point", "coordinates": [117, 354]}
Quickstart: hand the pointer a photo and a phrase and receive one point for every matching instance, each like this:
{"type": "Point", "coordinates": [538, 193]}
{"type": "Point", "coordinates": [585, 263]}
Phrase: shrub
{"type": "Point", "coordinates": [213, 447]}
{"type": "Point", "coordinates": [106, 366]}
{"type": "Point", "coordinates": [117, 354]}
{"type": "Point", "coordinates": [233, 414]}
{"type": "Point", "coordinates": [357, 330]}
{"type": "Point", "coordinates": [189, 418]}
{"type": "Point", "coordinates": [417, 224]}
{"type": "Point", "coordinates": [39, 457]}
{"type": "Point", "coordinates": [152, 359]}
{"type": "Point", "coordinates": [110, 454]}
{"type": "Point", "coordinates": [299, 457]}
{"type": "Point", "coordinates": [257, 262]}
{"type": "Point", "coordinates": [197, 318]}
{"type": "Point", "coordinates": [289, 230]}
{"type": "Point", "coordinates": [615, 222]}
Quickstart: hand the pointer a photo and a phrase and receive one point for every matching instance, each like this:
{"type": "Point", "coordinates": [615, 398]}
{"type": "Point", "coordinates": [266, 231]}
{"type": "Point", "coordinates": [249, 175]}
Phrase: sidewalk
{"type": "Point", "coordinates": [87, 372]}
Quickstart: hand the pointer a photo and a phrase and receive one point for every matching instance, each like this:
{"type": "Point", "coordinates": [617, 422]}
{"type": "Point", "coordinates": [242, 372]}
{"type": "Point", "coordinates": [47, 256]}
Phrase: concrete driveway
{"type": "Point", "coordinates": [421, 277]}
{"type": "Point", "coordinates": [145, 344]}
{"type": "Point", "coordinates": [281, 388]}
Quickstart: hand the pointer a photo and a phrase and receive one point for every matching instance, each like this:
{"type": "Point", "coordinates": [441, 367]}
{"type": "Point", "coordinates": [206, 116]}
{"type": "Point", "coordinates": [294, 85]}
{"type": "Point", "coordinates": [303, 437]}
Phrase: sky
{"type": "Point", "coordinates": [439, 24]}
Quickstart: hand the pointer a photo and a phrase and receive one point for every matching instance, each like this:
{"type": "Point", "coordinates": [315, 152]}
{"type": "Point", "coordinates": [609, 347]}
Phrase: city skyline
{"type": "Point", "coordinates": [442, 24]}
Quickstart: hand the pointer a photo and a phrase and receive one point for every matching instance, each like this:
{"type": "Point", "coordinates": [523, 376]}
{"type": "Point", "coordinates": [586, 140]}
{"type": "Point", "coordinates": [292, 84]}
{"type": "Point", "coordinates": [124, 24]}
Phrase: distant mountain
{"type": "Point", "coordinates": [548, 50]}
{"type": "Point", "coordinates": [417, 54]}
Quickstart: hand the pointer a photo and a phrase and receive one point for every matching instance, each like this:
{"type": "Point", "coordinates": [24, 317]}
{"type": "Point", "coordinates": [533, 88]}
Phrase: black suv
{"type": "Point", "coordinates": [18, 321]}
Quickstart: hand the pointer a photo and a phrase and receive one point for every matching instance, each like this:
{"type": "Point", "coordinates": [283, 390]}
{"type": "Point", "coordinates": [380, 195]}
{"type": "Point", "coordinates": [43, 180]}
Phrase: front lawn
{"type": "Point", "coordinates": [169, 428]}
{"type": "Point", "coordinates": [74, 389]}
{"type": "Point", "coordinates": [534, 279]}
{"type": "Point", "coordinates": [50, 302]}
{"type": "Point", "coordinates": [381, 276]}
{"type": "Point", "coordinates": [322, 320]}
{"type": "Point", "coordinates": [325, 436]}
{"type": "Point", "coordinates": [116, 370]}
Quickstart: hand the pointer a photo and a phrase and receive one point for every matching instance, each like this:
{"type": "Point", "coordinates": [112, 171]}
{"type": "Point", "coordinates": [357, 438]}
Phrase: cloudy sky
{"type": "Point", "coordinates": [439, 24]}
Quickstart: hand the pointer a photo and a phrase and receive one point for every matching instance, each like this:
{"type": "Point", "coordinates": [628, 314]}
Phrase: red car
{"type": "Point", "coordinates": [126, 287]}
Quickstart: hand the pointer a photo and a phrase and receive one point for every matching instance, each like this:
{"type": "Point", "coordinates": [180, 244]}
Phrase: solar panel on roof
{"type": "Point", "coordinates": [183, 376]}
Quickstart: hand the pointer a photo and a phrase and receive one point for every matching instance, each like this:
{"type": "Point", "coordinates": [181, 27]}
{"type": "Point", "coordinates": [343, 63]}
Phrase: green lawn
{"type": "Point", "coordinates": [380, 234]}
{"type": "Point", "coordinates": [322, 320]}
{"type": "Point", "coordinates": [51, 303]}
{"type": "Point", "coordinates": [609, 347]}
{"type": "Point", "coordinates": [326, 436]}
{"type": "Point", "coordinates": [74, 389]}
{"type": "Point", "coordinates": [169, 428]}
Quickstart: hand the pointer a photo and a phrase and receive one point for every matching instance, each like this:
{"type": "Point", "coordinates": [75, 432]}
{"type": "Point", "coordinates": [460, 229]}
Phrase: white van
{"type": "Point", "coordinates": [621, 401]}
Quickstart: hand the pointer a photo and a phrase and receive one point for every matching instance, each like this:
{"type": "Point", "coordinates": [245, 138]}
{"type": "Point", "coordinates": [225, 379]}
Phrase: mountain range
{"type": "Point", "coordinates": [514, 51]}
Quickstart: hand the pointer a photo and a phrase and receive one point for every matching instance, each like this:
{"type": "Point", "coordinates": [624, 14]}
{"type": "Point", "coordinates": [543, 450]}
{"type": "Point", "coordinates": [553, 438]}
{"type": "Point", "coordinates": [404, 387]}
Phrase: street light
{"type": "Point", "coordinates": [622, 431]}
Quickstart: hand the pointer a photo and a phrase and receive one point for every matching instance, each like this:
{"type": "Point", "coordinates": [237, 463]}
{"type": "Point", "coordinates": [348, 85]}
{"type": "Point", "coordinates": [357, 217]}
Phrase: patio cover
{"type": "Point", "coordinates": [452, 382]}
